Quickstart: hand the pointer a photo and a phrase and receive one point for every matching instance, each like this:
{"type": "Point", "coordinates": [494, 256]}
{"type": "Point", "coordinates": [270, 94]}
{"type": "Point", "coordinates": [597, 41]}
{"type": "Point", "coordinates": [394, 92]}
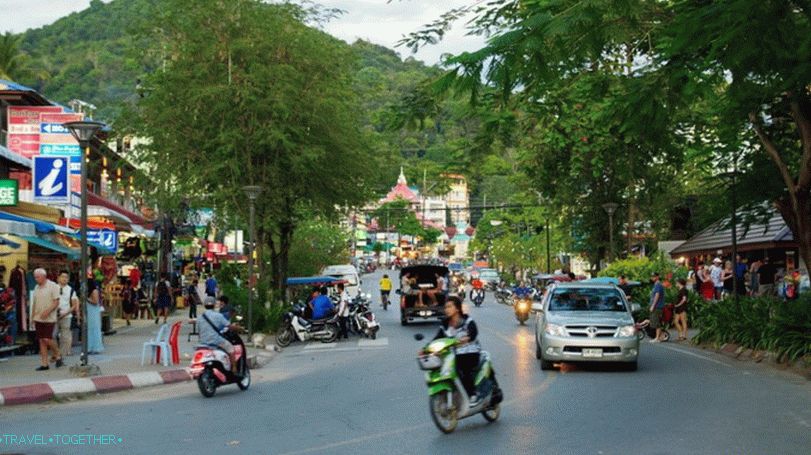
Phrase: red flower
{"type": "Point", "coordinates": [584, 139]}
{"type": "Point", "coordinates": [666, 284]}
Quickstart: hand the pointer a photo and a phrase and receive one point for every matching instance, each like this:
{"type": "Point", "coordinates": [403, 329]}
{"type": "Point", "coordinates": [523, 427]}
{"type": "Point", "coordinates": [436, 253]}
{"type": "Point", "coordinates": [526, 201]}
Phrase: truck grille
{"type": "Point", "coordinates": [591, 331]}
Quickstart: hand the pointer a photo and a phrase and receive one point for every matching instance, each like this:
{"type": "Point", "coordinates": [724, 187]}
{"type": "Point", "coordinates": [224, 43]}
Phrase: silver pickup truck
{"type": "Point", "coordinates": [581, 322]}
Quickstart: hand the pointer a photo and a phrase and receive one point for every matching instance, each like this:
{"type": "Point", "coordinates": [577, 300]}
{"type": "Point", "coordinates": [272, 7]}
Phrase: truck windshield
{"type": "Point", "coordinates": [586, 299]}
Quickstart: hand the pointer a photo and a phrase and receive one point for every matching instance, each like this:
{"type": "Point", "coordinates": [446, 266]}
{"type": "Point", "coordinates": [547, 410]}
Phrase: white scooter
{"type": "Point", "coordinates": [361, 317]}
{"type": "Point", "coordinates": [296, 327]}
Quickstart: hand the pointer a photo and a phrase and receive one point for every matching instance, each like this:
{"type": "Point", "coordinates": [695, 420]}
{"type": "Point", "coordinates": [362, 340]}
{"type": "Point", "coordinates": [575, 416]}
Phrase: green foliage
{"type": "Point", "coordinates": [783, 327]}
{"type": "Point", "coordinates": [316, 244]}
{"type": "Point", "coordinates": [641, 269]}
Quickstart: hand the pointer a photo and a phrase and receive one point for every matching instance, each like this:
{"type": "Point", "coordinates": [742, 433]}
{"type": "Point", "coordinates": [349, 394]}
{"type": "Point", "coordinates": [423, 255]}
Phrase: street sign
{"type": "Point", "coordinates": [9, 192]}
{"type": "Point", "coordinates": [23, 128]}
{"type": "Point", "coordinates": [107, 238]}
{"type": "Point", "coordinates": [51, 179]}
{"type": "Point", "coordinates": [56, 140]}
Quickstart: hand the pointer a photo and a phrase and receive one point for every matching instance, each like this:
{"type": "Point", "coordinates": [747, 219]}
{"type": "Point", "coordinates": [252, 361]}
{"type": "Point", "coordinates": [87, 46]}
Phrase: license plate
{"type": "Point", "coordinates": [592, 352]}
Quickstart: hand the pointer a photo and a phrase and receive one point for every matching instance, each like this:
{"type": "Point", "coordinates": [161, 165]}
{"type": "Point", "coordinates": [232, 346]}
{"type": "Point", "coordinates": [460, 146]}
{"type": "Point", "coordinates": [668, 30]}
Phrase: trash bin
{"type": "Point", "coordinates": [106, 323]}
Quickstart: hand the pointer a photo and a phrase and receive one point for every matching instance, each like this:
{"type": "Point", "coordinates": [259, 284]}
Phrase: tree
{"type": "Point", "coordinates": [13, 63]}
{"type": "Point", "coordinates": [250, 95]}
{"type": "Point", "coordinates": [677, 58]}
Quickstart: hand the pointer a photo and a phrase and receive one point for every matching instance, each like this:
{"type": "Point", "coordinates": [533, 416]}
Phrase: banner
{"type": "Point", "coordinates": [9, 193]}
{"type": "Point", "coordinates": [23, 128]}
{"type": "Point", "coordinates": [56, 140]}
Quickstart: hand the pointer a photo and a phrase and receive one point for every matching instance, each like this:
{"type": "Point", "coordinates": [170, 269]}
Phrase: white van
{"type": "Point", "coordinates": [346, 272]}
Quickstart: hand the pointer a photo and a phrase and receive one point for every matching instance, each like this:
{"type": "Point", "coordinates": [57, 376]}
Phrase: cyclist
{"type": "Point", "coordinates": [385, 290]}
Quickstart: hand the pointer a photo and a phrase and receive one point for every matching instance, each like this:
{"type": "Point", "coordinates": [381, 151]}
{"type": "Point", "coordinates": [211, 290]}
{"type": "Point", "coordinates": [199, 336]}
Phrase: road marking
{"type": "Point", "coordinates": [320, 346]}
{"type": "Point", "coordinates": [370, 343]}
{"type": "Point", "coordinates": [699, 356]}
{"type": "Point", "coordinates": [354, 441]}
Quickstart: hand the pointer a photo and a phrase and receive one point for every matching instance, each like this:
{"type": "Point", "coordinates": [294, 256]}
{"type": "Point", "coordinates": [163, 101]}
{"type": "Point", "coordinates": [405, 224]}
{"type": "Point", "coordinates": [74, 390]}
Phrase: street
{"type": "Point", "coordinates": [368, 396]}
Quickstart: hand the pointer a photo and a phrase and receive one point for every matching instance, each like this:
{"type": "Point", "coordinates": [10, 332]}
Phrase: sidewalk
{"type": "Point", "coordinates": [120, 366]}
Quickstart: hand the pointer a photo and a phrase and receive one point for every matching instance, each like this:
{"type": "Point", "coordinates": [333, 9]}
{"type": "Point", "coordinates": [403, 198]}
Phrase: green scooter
{"type": "Point", "coordinates": [448, 400]}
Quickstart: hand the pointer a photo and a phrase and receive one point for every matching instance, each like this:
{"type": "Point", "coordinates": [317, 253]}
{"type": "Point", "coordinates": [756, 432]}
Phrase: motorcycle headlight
{"type": "Point", "coordinates": [523, 305]}
{"type": "Point", "coordinates": [555, 330]}
{"type": "Point", "coordinates": [626, 331]}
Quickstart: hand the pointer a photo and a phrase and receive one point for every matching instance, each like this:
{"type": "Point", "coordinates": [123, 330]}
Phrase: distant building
{"type": "Point", "coordinates": [458, 199]}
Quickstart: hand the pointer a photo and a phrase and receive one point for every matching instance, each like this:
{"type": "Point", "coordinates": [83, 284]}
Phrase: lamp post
{"type": "Point", "coordinates": [83, 132]}
{"type": "Point", "coordinates": [610, 208]}
{"type": "Point", "coordinates": [252, 191]}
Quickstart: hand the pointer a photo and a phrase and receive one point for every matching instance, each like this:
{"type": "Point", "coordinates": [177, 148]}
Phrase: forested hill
{"type": "Point", "coordinates": [97, 55]}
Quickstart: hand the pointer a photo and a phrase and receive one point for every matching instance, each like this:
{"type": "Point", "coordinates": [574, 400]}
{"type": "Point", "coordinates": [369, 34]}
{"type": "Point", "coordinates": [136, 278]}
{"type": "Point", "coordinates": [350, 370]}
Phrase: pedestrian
{"type": "Point", "coordinates": [68, 307]}
{"type": "Point", "coordinates": [211, 286]}
{"type": "Point", "coordinates": [163, 299]}
{"type": "Point", "coordinates": [698, 277]}
{"type": "Point", "coordinates": [657, 304]}
{"type": "Point", "coordinates": [793, 285]}
{"type": "Point", "coordinates": [680, 309]}
{"type": "Point", "coordinates": [94, 310]}
{"type": "Point", "coordinates": [740, 274]}
{"type": "Point", "coordinates": [130, 301]}
{"type": "Point", "coordinates": [44, 306]}
{"type": "Point", "coordinates": [716, 275]}
{"type": "Point", "coordinates": [728, 278]}
{"type": "Point", "coordinates": [343, 311]}
{"type": "Point", "coordinates": [766, 274]}
{"type": "Point", "coordinates": [225, 306]}
{"type": "Point", "coordinates": [754, 281]}
{"type": "Point", "coordinates": [193, 299]}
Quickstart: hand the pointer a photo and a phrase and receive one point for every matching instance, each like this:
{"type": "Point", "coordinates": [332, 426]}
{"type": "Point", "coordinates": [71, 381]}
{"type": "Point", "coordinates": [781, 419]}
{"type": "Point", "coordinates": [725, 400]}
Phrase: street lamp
{"type": "Point", "coordinates": [252, 191]}
{"type": "Point", "coordinates": [83, 132]}
{"type": "Point", "coordinates": [610, 208]}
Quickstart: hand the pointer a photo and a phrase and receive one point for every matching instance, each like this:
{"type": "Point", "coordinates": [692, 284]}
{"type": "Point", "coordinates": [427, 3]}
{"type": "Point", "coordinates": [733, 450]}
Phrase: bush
{"type": "Point", "coordinates": [641, 269]}
{"type": "Point", "coordinates": [764, 323]}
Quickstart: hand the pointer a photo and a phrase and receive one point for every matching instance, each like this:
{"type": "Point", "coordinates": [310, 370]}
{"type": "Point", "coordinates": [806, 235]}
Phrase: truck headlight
{"type": "Point", "coordinates": [555, 330]}
{"type": "Point", "coordinates": [626, 331]}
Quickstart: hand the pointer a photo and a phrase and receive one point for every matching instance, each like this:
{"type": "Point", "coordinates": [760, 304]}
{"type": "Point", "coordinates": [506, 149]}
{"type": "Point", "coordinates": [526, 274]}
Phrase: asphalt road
{"type": "Point", "coordinates": [364, 397]}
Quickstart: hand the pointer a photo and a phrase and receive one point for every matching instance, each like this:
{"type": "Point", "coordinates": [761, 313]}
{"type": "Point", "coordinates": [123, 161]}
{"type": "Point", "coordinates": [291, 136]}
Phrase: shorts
{"type": "Point", "coordinates": [655, 318]}
{"type": "Point", "coordinates": [226, 346]}
{"type": "Point", "coordinates": [45, 330]}
{"type": "Point", "coordinates": [386, 293]}
{"type": "Point", "coordinates": [164, 301]}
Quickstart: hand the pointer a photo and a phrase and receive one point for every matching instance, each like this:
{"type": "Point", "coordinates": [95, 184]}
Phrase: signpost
{"type": "Point", "coordinates": [51, 179]}
{"type": "Point", "coordinates": [9, 192]}
{"type": "Point", "coordinates": [107, 238]}
{"type": "Point", "coordinates": [23, 128]}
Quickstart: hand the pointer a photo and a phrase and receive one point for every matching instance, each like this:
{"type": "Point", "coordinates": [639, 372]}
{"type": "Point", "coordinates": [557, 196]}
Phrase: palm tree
{"type": "Point", "coordinates": [13, 63]}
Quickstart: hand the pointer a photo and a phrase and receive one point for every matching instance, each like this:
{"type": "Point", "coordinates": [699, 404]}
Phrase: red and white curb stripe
{"type": "Point", "coordinates": [37, 393]}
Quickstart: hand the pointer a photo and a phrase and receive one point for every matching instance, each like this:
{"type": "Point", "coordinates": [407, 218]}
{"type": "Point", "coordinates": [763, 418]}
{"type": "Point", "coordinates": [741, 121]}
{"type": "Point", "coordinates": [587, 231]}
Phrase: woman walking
{"type": "Point", "coordinates": [94, 310]}
{"type": "Point", "coordinates": [680, 309]}
{"type": "Point", "coordinates": [163, 300]}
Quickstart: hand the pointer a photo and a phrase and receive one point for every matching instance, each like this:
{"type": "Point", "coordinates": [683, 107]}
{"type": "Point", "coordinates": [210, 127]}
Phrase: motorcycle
{"type": "Point", "coordinates": [449, 401]}
{"type": "Point", "coordinates": [477, 296]}
{"type": "Point", "coordinates": [296, 327]}
{"type": "Point", "coordinates": [522, 307]}
{"type": "Point", "coordinates": [211, 366]}
{"type": "Point", "coordinates": [362, 319]}
{"type": "Point", "coordinates": [504, 295]}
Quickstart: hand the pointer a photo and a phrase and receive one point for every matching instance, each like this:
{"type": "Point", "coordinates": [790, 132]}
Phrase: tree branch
{"type": "Point", "coordinates": [774, 154]}
{"type": "Point", "coordinates": [804, 125]}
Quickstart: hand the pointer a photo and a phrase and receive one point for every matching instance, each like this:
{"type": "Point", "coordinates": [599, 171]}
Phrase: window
{"type": "Point", "coordinates": [586, 299]}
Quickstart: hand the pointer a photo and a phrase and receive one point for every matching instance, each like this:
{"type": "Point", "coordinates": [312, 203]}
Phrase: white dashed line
{"type": "Point", "coordinates": [699, 356]}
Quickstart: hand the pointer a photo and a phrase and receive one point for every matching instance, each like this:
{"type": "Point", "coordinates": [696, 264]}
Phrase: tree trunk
{"type": "Point", "coordinates": [799, 221]}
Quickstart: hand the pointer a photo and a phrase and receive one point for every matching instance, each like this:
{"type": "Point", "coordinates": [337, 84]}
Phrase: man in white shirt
{"type": "Point", "coordinates": [68, 306]}
{"type": "Point", "coordinates": [716, 273]}
{"type": "Point", "coordinates": [343, 311]}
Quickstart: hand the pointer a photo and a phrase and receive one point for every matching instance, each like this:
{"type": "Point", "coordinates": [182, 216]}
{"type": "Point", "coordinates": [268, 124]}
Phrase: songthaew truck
{"type": "Point", "coordinates": [416, 301]}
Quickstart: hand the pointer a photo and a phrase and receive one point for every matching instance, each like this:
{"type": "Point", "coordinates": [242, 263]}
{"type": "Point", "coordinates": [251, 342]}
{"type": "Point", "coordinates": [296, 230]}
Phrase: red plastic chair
{"type": "Point", "coordinates": [174, 334]}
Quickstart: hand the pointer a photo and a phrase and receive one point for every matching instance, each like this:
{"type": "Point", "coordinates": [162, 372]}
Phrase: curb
{"type": "Point", "coordinates": [38, 393]}
{"type": "Point", "coordinates": [799, 367]}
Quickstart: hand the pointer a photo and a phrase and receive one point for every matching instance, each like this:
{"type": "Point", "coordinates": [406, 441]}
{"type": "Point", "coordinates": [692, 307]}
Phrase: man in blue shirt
{"type": "Point", "coordinates": [212, 329]}
{"type": "Point", "coordinates": [522, 291]}
{"type": "Point", "coordinates": [322, 305]}
{"type": "Point", "coordinates": [211, 286]}
{"type": "Point", "coordinates": [657, 304]}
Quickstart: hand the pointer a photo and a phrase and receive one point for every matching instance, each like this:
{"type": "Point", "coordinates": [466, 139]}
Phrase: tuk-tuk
{"type": "Point", "coordinates": [425, 280]}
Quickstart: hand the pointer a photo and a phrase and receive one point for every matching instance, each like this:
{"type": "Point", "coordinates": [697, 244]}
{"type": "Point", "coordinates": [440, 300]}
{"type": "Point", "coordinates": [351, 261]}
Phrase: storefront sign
{"type": "Point", "coordinates": [23, 128]}
{"type": "Point", "coordinates": [9, 192]}
{"type": "Point", "coordinates": [51, 179]}
{"type": "Point", "coordinates": [107, 238]}
{"type": "Point", "coordinates": [56, 140]}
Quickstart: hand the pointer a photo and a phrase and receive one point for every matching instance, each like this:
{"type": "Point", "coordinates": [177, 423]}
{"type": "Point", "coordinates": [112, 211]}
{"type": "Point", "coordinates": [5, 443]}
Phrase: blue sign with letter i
{"type": "Point", "coordinates": [51, 183]}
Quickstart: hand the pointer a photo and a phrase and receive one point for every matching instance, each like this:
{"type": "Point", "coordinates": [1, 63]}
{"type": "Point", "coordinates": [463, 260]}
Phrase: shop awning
{"type": "Point", "coordinates": [134, 218]}
{"type": "Point", "coordinates": [45, 243]}
{"type": "Point", "coordinates": [9, 243]}
{"type": "Point", "coordinates": [17, 228]}
{"type": "Point", "coordinates": [40, 226]}
{"type": "Point", "coordinates": [36, 211]}
{"type": "Point", "coordinates": [76, 224]}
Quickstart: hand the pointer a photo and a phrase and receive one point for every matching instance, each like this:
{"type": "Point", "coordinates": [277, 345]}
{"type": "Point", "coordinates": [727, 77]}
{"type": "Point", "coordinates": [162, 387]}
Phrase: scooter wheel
{"type": "Point", "coordinates": [285, 337]}
{"type": "Point", "coordinates": [207, 384]}
{"type": "Point", "coordinates": [245, 382]}
{"type": "Point", "coordinates": [445, 419]}
{"type": "Point", "coordinates": [333, 334]}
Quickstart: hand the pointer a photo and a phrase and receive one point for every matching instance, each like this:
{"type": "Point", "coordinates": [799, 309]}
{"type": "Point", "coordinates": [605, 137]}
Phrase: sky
{"type": "Point", "coordinates": [373, 20]}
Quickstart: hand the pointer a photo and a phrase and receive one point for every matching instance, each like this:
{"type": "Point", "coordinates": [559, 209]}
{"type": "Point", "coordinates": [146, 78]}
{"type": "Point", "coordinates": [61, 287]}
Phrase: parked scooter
{"type": "Point", "coordinates": [449, 401]}
{"type": "Point", "coordinates": [296, 327]}
{"type": "Point", "coordinates": [211, 366]}
{"type": "Point", "coordinates": [361, 318]}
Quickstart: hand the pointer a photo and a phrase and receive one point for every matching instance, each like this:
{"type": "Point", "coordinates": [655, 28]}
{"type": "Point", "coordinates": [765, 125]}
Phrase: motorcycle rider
{"type": "Point", "coordinates": [522, 291]}
{"type": "Point", "coordinates": [211, 332]}
{"type": "Point", "coordinates": [477, 286]}
{"type": "Point", "coordinates": [462, 327]}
